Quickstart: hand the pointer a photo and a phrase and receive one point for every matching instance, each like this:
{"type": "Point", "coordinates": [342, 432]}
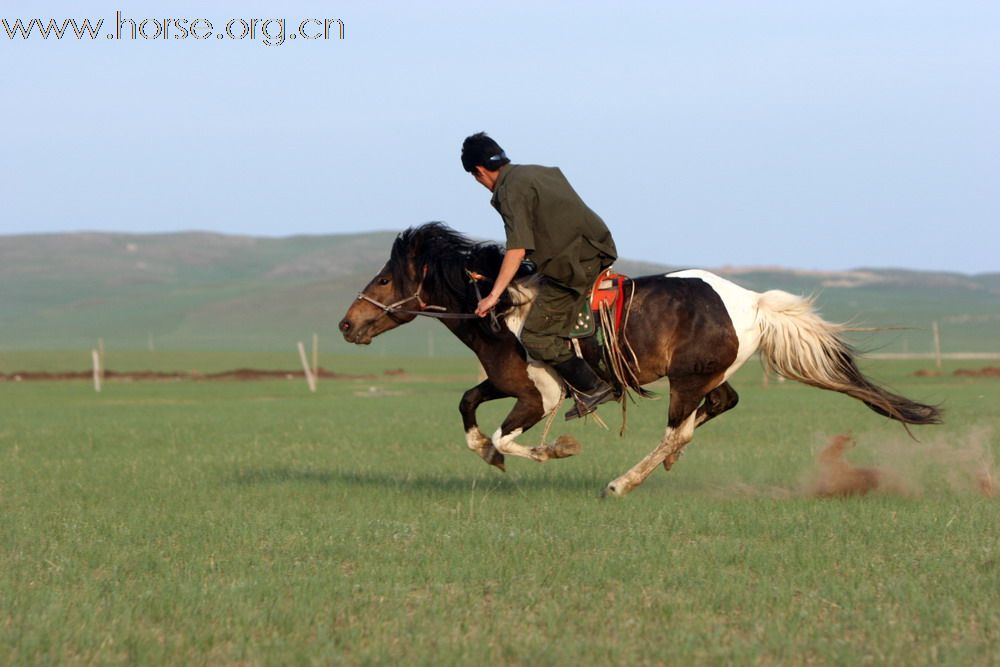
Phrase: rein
{"type": "Point", "coordinates": [429, 310]}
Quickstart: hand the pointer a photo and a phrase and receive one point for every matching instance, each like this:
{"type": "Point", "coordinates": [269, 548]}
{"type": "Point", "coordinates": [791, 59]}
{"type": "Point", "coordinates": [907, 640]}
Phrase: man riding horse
{"type": "Point", "coordinates": [546, 221]}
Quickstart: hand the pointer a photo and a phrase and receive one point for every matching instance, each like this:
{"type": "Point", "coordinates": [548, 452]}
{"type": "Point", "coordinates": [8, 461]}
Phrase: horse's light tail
{"type": "Point", "coordinates": [799, 344]}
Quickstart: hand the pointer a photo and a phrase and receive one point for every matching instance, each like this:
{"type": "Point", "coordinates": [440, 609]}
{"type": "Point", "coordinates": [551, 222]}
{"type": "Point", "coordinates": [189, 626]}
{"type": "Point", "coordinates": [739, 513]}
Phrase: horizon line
{"type": "Point", "coordinates": [731, 269]}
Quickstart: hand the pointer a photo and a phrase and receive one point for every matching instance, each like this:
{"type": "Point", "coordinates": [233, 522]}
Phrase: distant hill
{"type": "Point", "coordinates": [210, 291]}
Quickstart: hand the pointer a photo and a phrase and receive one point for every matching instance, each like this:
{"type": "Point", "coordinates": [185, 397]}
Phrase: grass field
{"type": "Point", "coordinates": [254, 523]}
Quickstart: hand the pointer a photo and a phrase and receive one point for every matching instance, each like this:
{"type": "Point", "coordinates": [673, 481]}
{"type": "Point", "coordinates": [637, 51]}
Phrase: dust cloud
{"type": "Point", "coordinates": [958, 464]}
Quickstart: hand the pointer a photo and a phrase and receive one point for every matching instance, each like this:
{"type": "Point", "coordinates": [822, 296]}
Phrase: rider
{"type": "Point", "coordinates": [545, 219]}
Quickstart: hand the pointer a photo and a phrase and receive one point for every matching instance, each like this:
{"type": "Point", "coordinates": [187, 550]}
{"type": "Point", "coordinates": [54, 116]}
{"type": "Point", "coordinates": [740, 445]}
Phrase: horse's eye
{"type": "Point", "coordinates": [383, 281]}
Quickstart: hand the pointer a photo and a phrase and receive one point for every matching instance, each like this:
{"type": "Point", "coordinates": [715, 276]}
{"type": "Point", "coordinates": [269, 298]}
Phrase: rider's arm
{"type": "Point", "coordinates": [508, 269]}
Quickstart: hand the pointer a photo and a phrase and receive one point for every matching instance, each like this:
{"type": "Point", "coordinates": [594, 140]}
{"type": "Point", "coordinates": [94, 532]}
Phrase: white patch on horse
{"type": "Point", "coordinates": [523, 293]}
{"type": "Point", "coordinates": [541, 374]}
{"type": "Point", "coordinates": [741, 304]}
{"type": "Point", "coordinates": [548, 384]}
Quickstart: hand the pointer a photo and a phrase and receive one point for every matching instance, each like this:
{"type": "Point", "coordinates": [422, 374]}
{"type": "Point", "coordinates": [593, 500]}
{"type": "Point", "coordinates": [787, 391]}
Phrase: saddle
{"type": "Point", "coordinates": [606, 295]}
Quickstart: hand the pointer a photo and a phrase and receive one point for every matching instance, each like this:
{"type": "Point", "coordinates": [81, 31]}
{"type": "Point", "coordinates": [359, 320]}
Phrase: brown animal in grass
{"type": "Point", "coordinates": [838, 477]}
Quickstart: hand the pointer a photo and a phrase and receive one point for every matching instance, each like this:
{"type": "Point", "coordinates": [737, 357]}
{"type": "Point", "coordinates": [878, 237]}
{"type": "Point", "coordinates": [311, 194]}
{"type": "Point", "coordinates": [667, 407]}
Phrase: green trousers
{"type": "Point", "coordinates": [546, 330]}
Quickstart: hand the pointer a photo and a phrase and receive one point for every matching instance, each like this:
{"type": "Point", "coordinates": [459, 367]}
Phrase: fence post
{"type": "Point", "coordinates": [310, 379]}
{"type": "Point", "coordinates": [100, 354]}
{"type": "Point", "coordinates": [95, 359]}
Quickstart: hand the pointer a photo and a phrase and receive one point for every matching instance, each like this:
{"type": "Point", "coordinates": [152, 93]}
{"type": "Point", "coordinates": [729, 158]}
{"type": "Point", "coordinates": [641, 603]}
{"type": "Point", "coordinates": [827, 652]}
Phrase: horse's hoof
{"type": "Point", "coordinates": [612, 490]}
{"type": "Point", "coordinates": [497, 461]}
{"type": "Point", "coordinates": [564, 446]}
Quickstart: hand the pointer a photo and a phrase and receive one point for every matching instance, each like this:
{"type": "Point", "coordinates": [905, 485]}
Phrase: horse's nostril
{"type": "Point", "coordinates": [345, 325]}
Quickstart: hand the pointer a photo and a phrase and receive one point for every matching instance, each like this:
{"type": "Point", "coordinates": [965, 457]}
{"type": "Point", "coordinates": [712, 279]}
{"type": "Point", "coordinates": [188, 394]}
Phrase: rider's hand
{"type": "Point", "coordinates": [484, 306]}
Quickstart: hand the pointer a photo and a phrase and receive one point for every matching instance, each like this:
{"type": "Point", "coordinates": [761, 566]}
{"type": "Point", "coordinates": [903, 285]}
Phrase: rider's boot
{"type": "Point", "coordinates": [587, 387]}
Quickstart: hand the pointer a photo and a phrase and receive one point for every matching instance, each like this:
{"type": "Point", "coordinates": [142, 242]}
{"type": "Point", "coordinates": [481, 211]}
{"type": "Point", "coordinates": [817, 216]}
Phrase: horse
{"type": "Point", "coordinates": [692, 327]}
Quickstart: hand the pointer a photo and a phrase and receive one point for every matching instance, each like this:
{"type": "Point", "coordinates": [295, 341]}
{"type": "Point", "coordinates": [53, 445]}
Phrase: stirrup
{"type": "Point", "coordinates": [586, 404]}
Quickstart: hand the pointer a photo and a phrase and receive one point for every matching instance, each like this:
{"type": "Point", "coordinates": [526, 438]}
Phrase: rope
{"type": "Point", "coordinates": [552, 416]}
{"type": "Point", "coordinates": [474, 278]}
{"type": "Point", "coordinates": [616, 345]}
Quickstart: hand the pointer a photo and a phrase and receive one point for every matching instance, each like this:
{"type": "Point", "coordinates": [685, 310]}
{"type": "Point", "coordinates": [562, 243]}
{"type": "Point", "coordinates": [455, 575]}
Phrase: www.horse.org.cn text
{"type": "Point", "coordinates": [267, 31]}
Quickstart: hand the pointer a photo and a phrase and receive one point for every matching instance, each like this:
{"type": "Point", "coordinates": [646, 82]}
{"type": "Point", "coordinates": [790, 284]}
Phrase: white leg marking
{"type": "Point", "coordinates": [673, 441]}
{"type": "Point", "coordinates": [475, 439]}
{"type": "Point", "coordinates": [548, 384]}
{"type": "Point", "coordinates": [505, 445]}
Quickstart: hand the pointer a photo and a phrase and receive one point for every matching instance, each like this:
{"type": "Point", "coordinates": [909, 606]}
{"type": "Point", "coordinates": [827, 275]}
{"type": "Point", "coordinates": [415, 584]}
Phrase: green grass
{"type": "Point", "coordinates": [254, 523]}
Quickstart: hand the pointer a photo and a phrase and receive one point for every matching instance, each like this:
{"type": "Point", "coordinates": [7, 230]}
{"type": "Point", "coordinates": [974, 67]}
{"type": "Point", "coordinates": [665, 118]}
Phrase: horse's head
{"type": "Point", "coordinates": [428, 264]}
{"type": "Point", "coordinates": [381, 305]}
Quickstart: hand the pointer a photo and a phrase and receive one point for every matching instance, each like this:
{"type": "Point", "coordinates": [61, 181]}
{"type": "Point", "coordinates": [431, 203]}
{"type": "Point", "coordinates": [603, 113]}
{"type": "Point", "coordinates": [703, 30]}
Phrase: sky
{"type": "Point", "coordinates": [809, 135]}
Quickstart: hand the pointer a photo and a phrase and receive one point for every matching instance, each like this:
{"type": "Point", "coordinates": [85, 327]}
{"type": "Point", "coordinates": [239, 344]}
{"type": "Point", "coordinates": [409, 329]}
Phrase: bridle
{"type": "Point", "coordinates": [429, 310]}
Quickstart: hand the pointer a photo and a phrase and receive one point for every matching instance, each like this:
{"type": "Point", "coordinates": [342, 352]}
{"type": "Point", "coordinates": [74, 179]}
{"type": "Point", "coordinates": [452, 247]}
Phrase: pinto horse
{"type": "Point", "coordinates": [692, 327]}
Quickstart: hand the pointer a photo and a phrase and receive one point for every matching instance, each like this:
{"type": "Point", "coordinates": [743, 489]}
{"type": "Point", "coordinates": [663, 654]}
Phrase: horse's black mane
{"type": "Point", "coordinates": [447, 256]}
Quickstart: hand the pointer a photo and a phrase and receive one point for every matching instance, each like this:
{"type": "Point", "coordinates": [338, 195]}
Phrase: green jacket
{"type": "Point", "coordinates": [545, 216]}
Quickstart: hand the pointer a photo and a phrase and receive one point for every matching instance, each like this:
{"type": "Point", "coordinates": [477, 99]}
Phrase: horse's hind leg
{"type": "Point", "coordinates": [673, 441]}
{"type": "Point", "coordinates": [717, 401]}
{"type": "Point", "coordinates": [475, 439]}
{"type": "Point", "coordinates": [685, 395]}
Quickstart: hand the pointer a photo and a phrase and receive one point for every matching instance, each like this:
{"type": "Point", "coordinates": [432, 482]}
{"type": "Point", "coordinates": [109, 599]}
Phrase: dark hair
{"type": "Point", "coordinates": [479, 150]}
{"type": "Point", "coordinates": [444, 257]}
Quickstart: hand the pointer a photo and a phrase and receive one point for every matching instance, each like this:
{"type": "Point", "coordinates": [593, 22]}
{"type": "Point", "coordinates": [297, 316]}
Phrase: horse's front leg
{"type": "Point", "coordinates": [527, 412]}
{"type": "Point", "coordinates": [475, 439]}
